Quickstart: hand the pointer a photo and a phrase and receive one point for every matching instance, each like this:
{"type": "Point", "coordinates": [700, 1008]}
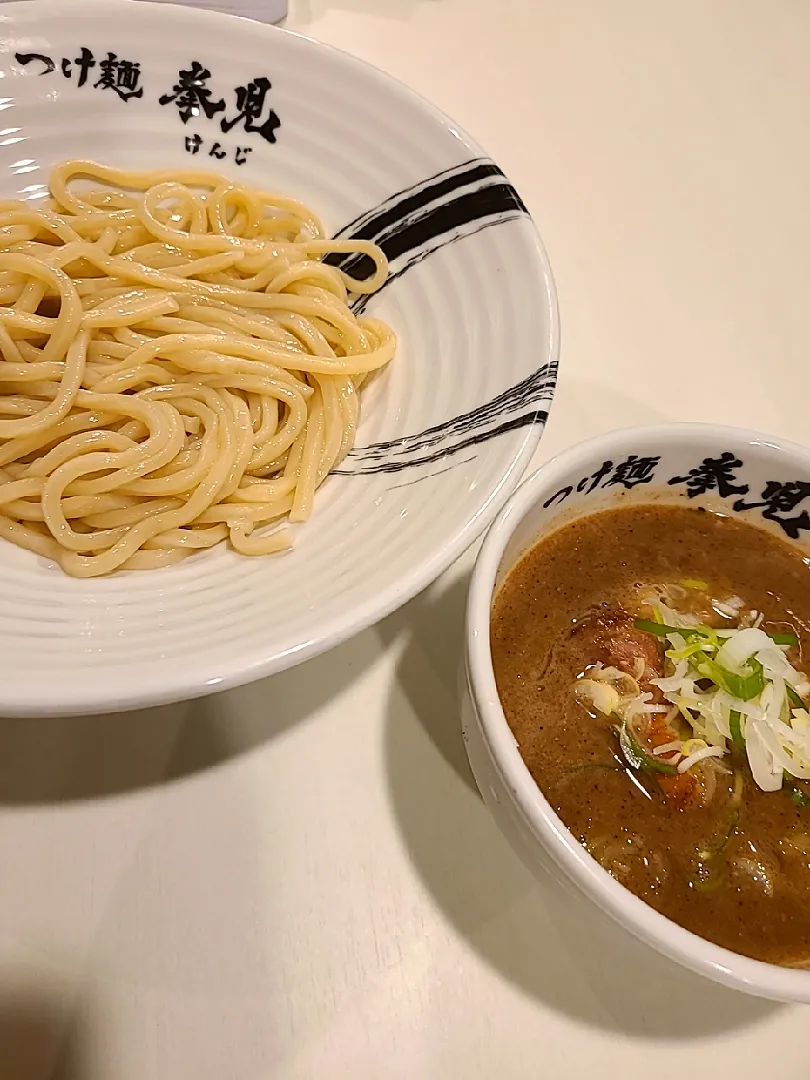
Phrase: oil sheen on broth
{"type": "Point", "coordinates": [643, 775]}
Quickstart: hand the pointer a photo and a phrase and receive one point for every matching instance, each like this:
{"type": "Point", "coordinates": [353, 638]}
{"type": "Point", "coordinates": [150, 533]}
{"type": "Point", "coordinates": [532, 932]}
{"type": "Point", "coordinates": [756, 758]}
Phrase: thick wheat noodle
{"type": "Point", "coordinates": [179, 366]}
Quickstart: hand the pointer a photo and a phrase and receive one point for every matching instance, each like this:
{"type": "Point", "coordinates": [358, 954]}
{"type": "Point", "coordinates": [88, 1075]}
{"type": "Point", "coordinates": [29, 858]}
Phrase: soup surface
{"type": "Point", "coordinates": [692, 793]}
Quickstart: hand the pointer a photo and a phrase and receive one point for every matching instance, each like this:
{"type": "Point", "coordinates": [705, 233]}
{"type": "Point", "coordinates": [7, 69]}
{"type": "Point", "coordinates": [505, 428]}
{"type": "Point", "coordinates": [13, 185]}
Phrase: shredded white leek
{"type": "Point", "coordinates": [700, 755]}
{"type": "Point", "coordinates": [729, 684]}
{"type": "Point", "coordinates": [668, 748]}
{"type": "Point", "coordinates": [602, 695]}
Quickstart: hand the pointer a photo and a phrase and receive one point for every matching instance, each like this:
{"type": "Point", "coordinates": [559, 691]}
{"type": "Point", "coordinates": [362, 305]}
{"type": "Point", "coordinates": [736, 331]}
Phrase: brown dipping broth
{"type": "Point", "coordinates": [736, 874]}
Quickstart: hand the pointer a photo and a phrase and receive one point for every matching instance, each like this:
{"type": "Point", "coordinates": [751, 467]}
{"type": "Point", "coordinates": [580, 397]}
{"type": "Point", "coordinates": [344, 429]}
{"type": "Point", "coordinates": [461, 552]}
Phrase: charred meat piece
{"type": "Point", "coordinates": [617, 643]}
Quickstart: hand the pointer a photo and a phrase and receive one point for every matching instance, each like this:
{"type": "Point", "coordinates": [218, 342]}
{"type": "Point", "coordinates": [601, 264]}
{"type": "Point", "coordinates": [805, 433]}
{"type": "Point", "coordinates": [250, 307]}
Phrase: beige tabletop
{"type": "Point", "coordinates": [297, 879]}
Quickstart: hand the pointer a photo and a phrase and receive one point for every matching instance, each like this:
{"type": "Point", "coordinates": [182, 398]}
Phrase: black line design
{"type": "Point", "coordinates": [513, 424]}
{"type": "Point", "coordinates": [531, 391]}
{"type": "Point", "coordinates": [427, 476]}
{"type": "Point", "coordinates": [410, 226]}
{"type": "Point", "coordinates": [435, 221]}
{"type": "Point", "coordinates": [402, 204]}
{"type": "Point", "coordinates": [359, 305]}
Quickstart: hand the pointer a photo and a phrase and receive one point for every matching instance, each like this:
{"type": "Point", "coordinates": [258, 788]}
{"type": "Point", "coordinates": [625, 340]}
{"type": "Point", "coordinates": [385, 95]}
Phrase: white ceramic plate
{"type": "Point", "coordinates": [446, 432]}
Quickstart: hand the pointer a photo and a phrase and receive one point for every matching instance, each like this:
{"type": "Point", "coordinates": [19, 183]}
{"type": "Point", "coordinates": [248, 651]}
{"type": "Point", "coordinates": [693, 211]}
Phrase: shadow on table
{"type": "Point", "coordinates": [527, 931]}
{"type": "Point", "coordinates": [39, 1035]}
{"type": "Point", "coordinates": [89, 757]}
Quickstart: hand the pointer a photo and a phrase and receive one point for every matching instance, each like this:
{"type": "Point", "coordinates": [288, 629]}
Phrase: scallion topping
{"type": "Point", "coordinates": [662, 630]}
{"type": "Point", "coordinates": [735, 688]}
{"type": "Point", "coordinates": [794, 697]}
{"type": "Point", "coordinates": [736, 731]}
{"type": "Point", "coordinates": [796, 796]}
{"type": "Point", "coordinates": [636, 757]}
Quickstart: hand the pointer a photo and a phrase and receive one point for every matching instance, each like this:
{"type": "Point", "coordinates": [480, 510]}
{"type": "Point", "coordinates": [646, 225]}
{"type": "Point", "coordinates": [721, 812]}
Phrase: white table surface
{"type": "Point", "coordinates": [297, 879]}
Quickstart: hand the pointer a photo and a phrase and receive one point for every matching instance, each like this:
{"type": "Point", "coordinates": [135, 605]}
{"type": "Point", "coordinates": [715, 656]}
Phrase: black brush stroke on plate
{"type": "Point", "coordinates": [530, 391]}
{"type": "Point", "coordinates": [368, 225]}
{"type": "Point", "coordinates": [437, 221]}
{"type": "Point", "coordinates": [360, 304]}
{"type": "Point", "coordinates": [514, 423]}
{"type": "Point", "coordinates": [430, 475]}
{"type": "Point", "coordinates": [403, 221]}
{"type": "Point", "coordinates": [408, 205]}
{"type": "Point", "coordinates": [409, 227]}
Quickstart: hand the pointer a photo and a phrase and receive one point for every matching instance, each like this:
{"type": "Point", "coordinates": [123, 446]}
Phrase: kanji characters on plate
{"type": "Point", "coordinates": [114, 73]}
{"type": "Point", "coordinates": [190, 95]}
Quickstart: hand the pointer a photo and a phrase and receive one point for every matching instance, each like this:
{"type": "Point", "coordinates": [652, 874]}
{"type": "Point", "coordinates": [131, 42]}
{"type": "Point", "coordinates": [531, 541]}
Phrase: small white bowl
{"type": "Point", "coordinates": [666, 463]}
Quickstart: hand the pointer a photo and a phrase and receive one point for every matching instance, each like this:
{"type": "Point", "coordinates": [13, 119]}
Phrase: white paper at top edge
{"type": "Point", "coordinates": [268, 11]}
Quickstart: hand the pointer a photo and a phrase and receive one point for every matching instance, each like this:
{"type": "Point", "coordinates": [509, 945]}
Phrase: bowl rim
{"type": "Point", "coordinates": [179, 686]}
{"type": "Point", "coordinates": [722, 965]}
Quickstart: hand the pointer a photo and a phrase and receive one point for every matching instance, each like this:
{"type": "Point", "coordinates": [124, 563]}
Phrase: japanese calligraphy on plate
{"type": "Point", "coordinates": [190, 95]}
{"type": "Point", "coordinates": [749, 481]}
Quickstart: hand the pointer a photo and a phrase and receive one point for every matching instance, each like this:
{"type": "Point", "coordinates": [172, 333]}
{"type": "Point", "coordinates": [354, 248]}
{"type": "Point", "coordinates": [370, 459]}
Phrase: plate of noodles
{"type": "Point", "coordinates": [278, 340]}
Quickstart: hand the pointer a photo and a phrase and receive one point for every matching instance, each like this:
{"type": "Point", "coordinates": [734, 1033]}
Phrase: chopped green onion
{"type": "Point", "coordinates": [793, 694]}
{"type": "Point", "coordinates": [752, 685]}
{"type": "Point", "coordinates": [708, 879]}
{"type": "Point", "coordinates": [731, 828]}
{"type": "Point", "coordinates": [736, 732]}
{"type": "Point", "coordinates": [662, 630]}
{"type": "Point", "coordinates": [716, 663]}
{"type": "Point", "coordinates": [636, 756]}
{"type": "Point", "coordinates": [695, 583]}
{"type": "Point", "coordinates": [710, 876]}
{"type": "Point", "coordinates": [745, 687]}
{"type": "Point", "coordinates": [795, 795]}
{"type": "Point", "coordinates": [649, 627]}
{"type": "Point", "coordinates": [688, 650]}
